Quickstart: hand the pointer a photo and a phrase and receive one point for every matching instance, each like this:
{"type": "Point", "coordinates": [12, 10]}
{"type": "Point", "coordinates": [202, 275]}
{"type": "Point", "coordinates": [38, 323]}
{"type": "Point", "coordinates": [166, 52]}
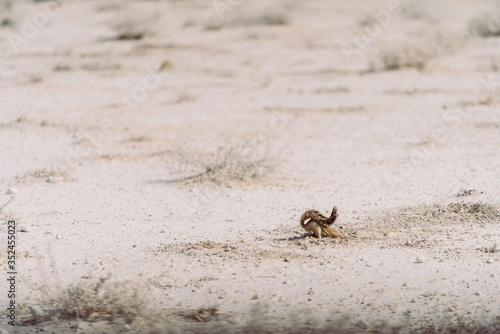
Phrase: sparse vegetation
{"type": "Point", "coordinates": [416, 52]}
{"type": "Point", "coordinates": [6, 13]}
{"type": "Point", "coordinates": [50, 175]}
{"type": "Point", "coordinates": [208, 320]}
{"type": "Point", "coordinates": [130, 30]}
{"type": "Point", "coordinates": [62, 68]}
{"type": "Point", "coordinates": [204, 314]}
{"type": "Point", "coordinates": [209, 229]}
{"type": "Point", "coordinates": [486, 24]}
{"type": "Point", "coordinates": [34, 79]}
{"type": "Point", "coordinates": [247, 15]}
{"type": "Point", "coordinates": [432, 139]}
{"type": "Point", "coordinates": [405, 54]}
{"type": "Point", "coordinates": [339, 326]}
{"type": "Point", "coordinates": [99, 296]}
{"type": "Point", "coordinates": [101, 65]}
{"type": "Point", "coordinates": [452, 213]}
{"type": "Point", "coordinates": [134, 24]}
{"type": "Point", "coordinates": [487, 98]}
{"type": "Point", "coordinates": [419, 226]}
{"type": "Point", "coordinates": [492, 249]}
{"type": "Point", "coordinates": [271, 18]}
{"type": "Point", "coordinates": [493, 64]}
{"type": "Point", "coordinates": [420, 10]}
{"type": "Point", "coordinates": [232, 159]}
{"type": "Point", "coordinates": [332, 90]}
{"type": "Point", "coordinates": [184, 96]}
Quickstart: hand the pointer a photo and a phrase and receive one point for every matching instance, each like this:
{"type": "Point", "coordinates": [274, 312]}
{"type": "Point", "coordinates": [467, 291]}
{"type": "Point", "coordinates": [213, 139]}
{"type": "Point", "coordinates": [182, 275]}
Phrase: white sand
{"type": "Point", "coordinates": [371, 143]}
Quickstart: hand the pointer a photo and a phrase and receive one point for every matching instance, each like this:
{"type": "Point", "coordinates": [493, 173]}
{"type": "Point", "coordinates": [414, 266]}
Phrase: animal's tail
{"type": "Point", "coordinates": [309, 214]}
{"type": "Point", "coordinates": [318, 217]}
{"type": "Point", "coordinates": [333, 217]}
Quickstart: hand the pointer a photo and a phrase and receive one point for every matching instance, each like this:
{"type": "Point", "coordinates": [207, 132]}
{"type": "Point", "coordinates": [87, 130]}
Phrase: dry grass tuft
{"type": "Point", "coordinates": [233, 159]}
{"type": "Point", "coordinates": [492, 249]}
{"type": "Point", "coordinates": [486, 24]}
{"type": "Point", "coordinates": [50, 175]}
{"type": "Point", "coordinates": [6, 14]}
{"type": "Point", "coordinates": [271, 18]}
{"type": "Point", "coordinates": [252, 14]}
{"type": "Point", "coordinates": [204, 314]}
{"type": "Point", "coordinates": [43, 173]}
{"type": "Point", "coordinates": [130, 30]}
{"type": "Point", "coordinates": [97, 297]}
{"type": "Point", "coordinates": [417, 51]}
{"type": "Point", "coordinates": [134, 23]}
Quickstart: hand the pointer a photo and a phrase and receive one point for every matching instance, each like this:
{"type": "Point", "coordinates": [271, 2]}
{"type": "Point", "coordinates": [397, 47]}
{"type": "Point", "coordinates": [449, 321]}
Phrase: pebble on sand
{"type": "Point", "coordinates": [11, 191]}
{"type": "Point", "coordinates": [421, 259]}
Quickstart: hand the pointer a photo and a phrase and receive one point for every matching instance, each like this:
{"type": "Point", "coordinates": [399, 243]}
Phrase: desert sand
{"type": "Point", "coordinates": [156, 157]}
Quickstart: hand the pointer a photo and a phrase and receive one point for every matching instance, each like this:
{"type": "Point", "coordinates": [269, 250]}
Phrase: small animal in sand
{"type": "Point", "coordinates": [321, 226]}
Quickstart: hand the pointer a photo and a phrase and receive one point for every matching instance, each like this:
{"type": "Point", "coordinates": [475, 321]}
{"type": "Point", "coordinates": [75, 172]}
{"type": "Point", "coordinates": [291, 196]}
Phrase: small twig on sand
{"type": "Point", "coordinates": [3, 206]}
{"type": "Point", "coordinates": [187, 178]}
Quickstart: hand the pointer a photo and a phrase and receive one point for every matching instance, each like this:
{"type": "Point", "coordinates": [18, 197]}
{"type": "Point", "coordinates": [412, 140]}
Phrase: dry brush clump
{"type": "Point", "coordinates": [486, 24]}
{"type": "Point", "coordinates": [130, 28]}
{"type": "Point", "coordinates": [6, 14]}
{"type": "Point", "coordinates": [251, 14]}
{"type": "Point", "coordinates": [417, 51]}
{"type": "Point", "coordinates": [134, 23]}
{"type": "Point", "coordinates": [231, 159]}
{"type": "Point", "coordinates": [50, 175]}
{"type": "Point", "coordinates": [93, 297]}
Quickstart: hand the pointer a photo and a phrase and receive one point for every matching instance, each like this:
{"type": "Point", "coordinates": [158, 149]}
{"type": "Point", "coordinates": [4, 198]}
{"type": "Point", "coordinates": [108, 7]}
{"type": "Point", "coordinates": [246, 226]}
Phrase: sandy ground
{"type": "Point", "coordinates": [113, 116]}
